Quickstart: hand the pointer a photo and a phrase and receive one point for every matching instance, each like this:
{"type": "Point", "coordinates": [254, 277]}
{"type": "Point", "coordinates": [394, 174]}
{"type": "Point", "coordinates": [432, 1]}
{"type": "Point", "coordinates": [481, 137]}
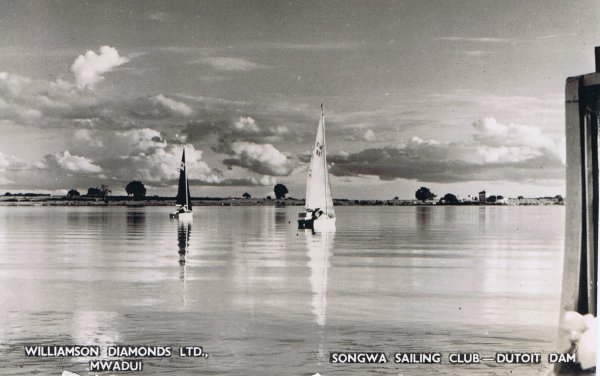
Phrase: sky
{"type": "Point", "coordinates": [457, 96]}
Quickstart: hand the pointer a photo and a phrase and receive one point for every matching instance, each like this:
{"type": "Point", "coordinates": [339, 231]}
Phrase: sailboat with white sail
{"type": "Point", "coordinates": [183, 194]}
{"type": "Point", "coordinates": [319, 214]}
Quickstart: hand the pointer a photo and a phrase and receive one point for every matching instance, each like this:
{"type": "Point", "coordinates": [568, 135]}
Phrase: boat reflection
{"type": "Point", "coordinates": [319, 247]}
{"type": "Point", "coordinates": [184, 230]}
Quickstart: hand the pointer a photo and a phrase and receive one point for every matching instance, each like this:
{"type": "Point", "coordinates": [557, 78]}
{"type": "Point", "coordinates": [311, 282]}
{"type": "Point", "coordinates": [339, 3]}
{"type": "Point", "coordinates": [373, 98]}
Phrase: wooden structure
{"type": "Point", "coordinates": [580, 273]}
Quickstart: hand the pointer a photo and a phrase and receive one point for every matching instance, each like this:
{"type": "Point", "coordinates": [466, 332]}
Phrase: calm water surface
{"type": "Point", "coordinates": [263, 298]}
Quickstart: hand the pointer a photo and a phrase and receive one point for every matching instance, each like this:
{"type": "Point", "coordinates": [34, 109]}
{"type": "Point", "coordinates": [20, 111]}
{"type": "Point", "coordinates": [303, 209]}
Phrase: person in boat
{"type": "Point", "coordinates": [316, 213]}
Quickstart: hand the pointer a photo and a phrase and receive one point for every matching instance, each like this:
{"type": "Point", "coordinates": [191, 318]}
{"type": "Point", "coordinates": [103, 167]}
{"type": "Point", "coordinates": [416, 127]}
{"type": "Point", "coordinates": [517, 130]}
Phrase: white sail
{"type": "Point", "coordinates": [318, 190]}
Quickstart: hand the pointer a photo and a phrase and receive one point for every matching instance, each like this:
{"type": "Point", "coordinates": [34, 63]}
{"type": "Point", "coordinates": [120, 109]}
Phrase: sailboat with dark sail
{"type": "Point", "coordinates": [319, 214]}
{"type": "Point", "coordinates": [183, 194]}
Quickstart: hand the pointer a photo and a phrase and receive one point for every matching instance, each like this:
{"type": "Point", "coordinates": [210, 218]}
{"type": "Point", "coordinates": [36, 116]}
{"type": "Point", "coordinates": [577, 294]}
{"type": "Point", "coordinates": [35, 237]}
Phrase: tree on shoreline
{"type": "Point", "coordinates": [449, 198]}
{"type": "Point", "coordinates": [101, 192]}
{"type": "Point", "coordinates": [73, 193]}
{"type": "Point", "coordinates": [94, 192]}
{"type": "Point", "coordinates": [280, 191]}
{"type": "Point", "coordinates": [423, 194]}
{"type": "Point", "coordinates": [137, 189]}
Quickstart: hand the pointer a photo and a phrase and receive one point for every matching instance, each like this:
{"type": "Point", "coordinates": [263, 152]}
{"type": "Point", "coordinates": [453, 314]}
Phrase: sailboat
{"type": "Point", "coordinates": [319, 214]}
{"type": "Point", "coordinates": [183, 195]}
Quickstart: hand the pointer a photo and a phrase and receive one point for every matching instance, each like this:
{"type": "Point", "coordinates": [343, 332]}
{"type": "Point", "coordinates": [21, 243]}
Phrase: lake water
{"type": "Point", "coordinates": [263, 298]}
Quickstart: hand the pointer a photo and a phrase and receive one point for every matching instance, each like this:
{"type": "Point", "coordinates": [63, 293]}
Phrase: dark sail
{"type": "Point", "coordinates": [183, 192]}
{"type": "Point", "coordinates": [189, 198]}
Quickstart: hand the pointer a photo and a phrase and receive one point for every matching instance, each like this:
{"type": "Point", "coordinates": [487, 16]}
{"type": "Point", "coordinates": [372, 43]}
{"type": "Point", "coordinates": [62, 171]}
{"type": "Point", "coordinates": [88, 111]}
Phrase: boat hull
{"type": "Point", "coordinates": [305, 224]}
{"type": "Point", "coordinates": [185, 216]}
{"type": "Point", "coordinates": [321, 224]}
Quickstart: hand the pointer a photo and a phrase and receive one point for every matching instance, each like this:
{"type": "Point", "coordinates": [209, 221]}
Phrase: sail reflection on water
{"type": "Point", "coordinates": [184, 229]}
{"type": "Point", "coordinates": [319, 248]}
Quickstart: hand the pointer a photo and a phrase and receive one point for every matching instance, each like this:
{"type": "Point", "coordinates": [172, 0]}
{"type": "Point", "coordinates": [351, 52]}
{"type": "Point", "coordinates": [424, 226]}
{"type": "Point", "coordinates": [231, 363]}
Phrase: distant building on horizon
{"type": "Point", "coordinates": [482, 197]}
{"type": "Point", "coordinates": [535, 201]}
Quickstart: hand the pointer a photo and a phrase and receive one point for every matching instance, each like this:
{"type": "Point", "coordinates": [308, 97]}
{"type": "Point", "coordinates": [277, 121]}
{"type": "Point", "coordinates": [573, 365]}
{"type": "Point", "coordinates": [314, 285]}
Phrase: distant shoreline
{"type": "Point", "coordinates": [45, 200]}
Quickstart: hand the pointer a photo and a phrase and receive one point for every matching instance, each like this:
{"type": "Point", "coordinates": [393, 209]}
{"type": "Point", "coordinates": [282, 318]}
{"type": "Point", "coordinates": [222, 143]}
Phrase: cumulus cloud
{"type": "Point", "coordinates": [4, 163]}
{"type": "Point", "coordinates": [227, 131]}
{"type": "Point", "coordinates": [12, 83]}
{"type": "Point", "coordinates": [147, 155]}
{"type": "Point", "coordinates": [21, 98]}
{"type": "Point", "coordinates": [229, 64]}
{"type": "Point", "coordinates": [9, 165]}
{"type": "Point", "coordinates": [160, 166]}
{"type": "Point", "coordinates": [144, 154]}
{"type": "Point", "coordinates": [369, 135]}
{"type": "Point", "coordinates": [139, 153]}
{"type": "Point", "coordinates": [264, 180]}
{"type": "Point", "coordinates": [60, 104]}
{"type": "Point", "coordinates": [86, 136]}
{"type": "Point", "coordinates": [496, 152]}
{"type": "Point", "coordinates": [245, 124]}
{"type": "Point", "coordinates": [117, 143]}
{"type": "Point", "coordinates": [142, 139]}
{"type": "Point", "coordinates": [68, 162]}
{"type": "Point", "coordinates": [259, 158]}
{"type": "Point", "coordinates": [176, 107]}
{"type": "Point", "coordinates": [514, 142]}
{"type": "Point", "coordinates": [89, 68]}
{"type": "Point", "coordinates": [490, 132]}
{"type": "Point", "coordinates": [119, 139]}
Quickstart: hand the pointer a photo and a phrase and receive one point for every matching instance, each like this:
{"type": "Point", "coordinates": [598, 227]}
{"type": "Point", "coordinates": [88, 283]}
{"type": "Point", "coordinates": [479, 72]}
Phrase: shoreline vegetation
{"type": "Point", "coordinates": [34, 199]}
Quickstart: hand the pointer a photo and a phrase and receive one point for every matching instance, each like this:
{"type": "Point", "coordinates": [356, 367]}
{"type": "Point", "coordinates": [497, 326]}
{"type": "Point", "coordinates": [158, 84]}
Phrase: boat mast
{"type": "Point", "coordinates": [187, 204]}
{"type": "Point", "coordinates": [324, 158]}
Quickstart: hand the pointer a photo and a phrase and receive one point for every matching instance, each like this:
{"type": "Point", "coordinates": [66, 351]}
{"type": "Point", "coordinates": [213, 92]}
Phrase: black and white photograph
{"type": "Point", "coordinates": [315, 188]}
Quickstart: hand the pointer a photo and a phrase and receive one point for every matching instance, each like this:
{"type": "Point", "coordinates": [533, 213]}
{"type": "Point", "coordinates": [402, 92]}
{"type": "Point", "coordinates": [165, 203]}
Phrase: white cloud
{"type": "Point", "coordinates": [490, 132]}
{"type": "Point", "coordinates": [142, 139]}
{"type": "Point", "coordinates": [69, 162]}
{"type": "Point", "coordinates": [9, 164]}
{"type": "Point", "coordinates": [229, 64]}
{"type": "Point", "coordinates": [86, 136]}
{"type": "Point", "coordinates": [267, 180]}
{"type": "Point", "coordinates": [496, 152]}
{"type": "Point", "coordinates": [319, 46]}
{"type": "Point", "coordinates": [89, 68]}
{"type": "Point", "coordinates": [162, 164]}
{"type": "Point", "coordinates": [369, 135]}
{"type": "Point", "coordinates": [246, 124]}
{"type": "Point", "coordinates": [4, 163]}
{"type": "Point", "coordinates": [212, 179]}
{"type": "Point", "coordinates": [505, 154]}
{"type": "Point", "coordinates": [476, 53]}
{"type": "Point", "coordinates": [120, 143]}
{"type": "Point", "coordinates": [12, 83]}
{"type": "Point", "coordinates": [476, 39]}
{"type": "Point", "coordinates": [175, 107]}
{"type": "Point", "coordinates": [260, 158]}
